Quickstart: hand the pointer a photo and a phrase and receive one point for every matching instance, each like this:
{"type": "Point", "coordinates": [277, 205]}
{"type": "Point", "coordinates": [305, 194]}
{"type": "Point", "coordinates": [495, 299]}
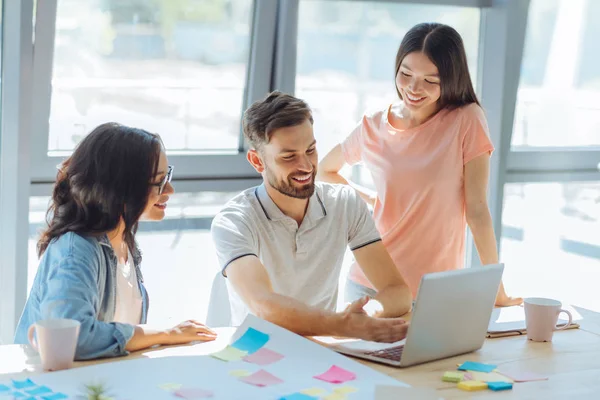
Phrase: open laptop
{"type": "Point", "coordinates": [450, 317]}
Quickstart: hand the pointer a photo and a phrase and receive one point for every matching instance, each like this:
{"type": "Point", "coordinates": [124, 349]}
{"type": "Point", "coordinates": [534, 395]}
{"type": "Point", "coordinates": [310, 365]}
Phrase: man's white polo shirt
{"type": "Point", "coordinates": [302, 262]}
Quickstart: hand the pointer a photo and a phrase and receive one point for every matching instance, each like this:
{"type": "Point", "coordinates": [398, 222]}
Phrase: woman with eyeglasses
{"type": "Point", "coordinates": [90, 264]}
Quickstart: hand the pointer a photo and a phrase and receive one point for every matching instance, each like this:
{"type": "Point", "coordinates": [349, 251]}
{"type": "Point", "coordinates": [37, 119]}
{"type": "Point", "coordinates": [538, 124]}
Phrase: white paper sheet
{"type": "Point", "coordinates": [140, 378]}
{"type": "Point", "coordinates": [509, 319]}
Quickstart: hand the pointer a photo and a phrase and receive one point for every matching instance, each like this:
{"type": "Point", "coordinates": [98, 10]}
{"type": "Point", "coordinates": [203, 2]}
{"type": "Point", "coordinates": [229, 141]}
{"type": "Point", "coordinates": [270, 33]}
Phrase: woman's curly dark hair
{"type": "Point", "coordinates": [106, 179]}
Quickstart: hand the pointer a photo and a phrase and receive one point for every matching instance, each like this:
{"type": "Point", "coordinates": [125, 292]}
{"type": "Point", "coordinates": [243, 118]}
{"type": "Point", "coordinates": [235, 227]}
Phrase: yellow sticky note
{"type": "Point", "coordinates": [335, 396]}
{"type": "Point", "coordinates": [489, 377]}
{"type": "Point", "coordinates": [472, 386]}
{"type": "Point", "coordinates": [345, 390]}
{"type": "Point", "coordinates": [170, 386]}
{"type": "Point", "coordinates": [453, 376]}
{"type": "Point", "coordinates": [314, 392]}
{"type": "Point", "coordinates": [230, 354]}
{"type": "Point", "coordinates": [239, 373]}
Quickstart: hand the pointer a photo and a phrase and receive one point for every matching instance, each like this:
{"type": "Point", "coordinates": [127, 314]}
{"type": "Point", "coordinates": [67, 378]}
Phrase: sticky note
{"type": "Point", "coordinates": [263, 357]}
{"type": "Point", "coordinates": [251, 341]}
{"type": "Point", "coordinates": [453, 376]}
{"type": "Point", "coordinates": [239, 373]}
{"type": "Point", "coordinates": [475, 366]}
{"type": "Point", "coordinates": [192, 393]}
{"type": "Point", "coordinates": [488, 377]}
{"type": "Point", "coordinates": [468, 377]}
{"type": "Point", "coordinates": [471, 386]}
{"type": "Point", "coordinates": [335, 396]}
{"type": "Point", "coordinates": [30, 398]}
{"type": "Point", "coordinates": [314, 392]}
{"type": "Point", "coordinates": [298, 396]}
{"type": "Point", "coordinates": [498, 386]}
{"type": "Point", "coordinates": [170, 386]}
{"type": "Point", "coordinates": [39, 390]}
{"type": "Point", "coordinates": [230, 354]}
{"type": "Point", "coordinates": [261, 378]}
{"type": "Point", "coordinates": [336, 375]}
{"type": "Point", "coordinates": [27, 383]}
{"type": "Point", "coordinates": [522, 376]}
{"type": "Point", "coordinates": [55, 396]}
{"type": "Point", "coordinates": [4, 388]}
{"type": "Point", "coordinates": [345, 390]}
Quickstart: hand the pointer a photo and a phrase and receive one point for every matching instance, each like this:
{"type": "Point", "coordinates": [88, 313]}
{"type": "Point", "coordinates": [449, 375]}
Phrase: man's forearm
{"type": "Point", "coordinates": [297, 317]}
{"type": "Point", "coordinates": [395, 300]}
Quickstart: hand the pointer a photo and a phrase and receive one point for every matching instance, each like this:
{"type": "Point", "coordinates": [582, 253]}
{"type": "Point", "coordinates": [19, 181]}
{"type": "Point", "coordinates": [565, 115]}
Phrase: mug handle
{"type": "Point", "coordinates": [568, 323]}
{"type": "Point", "coordinates": [32, 340]}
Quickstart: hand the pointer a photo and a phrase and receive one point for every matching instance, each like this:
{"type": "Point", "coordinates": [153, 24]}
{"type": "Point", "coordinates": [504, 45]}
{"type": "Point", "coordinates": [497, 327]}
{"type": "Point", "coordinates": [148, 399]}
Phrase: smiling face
{"type": "Point", "coordinates": [288, 162]}
{"type": "Point", "coordinates": [157, 203]}
{"type": "Point", "coordinates": [418, 82]}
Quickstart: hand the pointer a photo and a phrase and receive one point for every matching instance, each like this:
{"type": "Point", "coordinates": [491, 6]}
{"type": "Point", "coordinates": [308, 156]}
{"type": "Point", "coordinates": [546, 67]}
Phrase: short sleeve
{"type": "Point", "coordinates": [352, 146]}
{"type": "Point", "coordinates": [476, 134]}
{"type": "Point", "coordinates": [361, 228]}
{"type": "Point", "coordinates": [233, 238]}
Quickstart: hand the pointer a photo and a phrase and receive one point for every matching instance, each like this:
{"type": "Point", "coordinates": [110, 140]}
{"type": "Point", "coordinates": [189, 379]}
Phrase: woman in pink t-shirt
{"type": "Point", "coordinates": [429, 156]}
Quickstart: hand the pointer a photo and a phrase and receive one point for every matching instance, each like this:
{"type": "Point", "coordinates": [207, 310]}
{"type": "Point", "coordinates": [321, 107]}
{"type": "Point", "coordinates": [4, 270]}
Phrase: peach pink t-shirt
{"type": "Point", "coordinates": [419, 177]}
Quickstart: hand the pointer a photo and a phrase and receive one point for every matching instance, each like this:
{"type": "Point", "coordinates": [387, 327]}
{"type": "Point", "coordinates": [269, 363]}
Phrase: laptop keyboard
{"type": "Point", "coordinates": [391, 353]}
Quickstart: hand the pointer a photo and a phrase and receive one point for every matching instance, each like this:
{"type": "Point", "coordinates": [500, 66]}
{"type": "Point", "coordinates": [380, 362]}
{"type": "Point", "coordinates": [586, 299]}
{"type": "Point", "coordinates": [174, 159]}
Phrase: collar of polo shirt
{"type": "Point", "coordinates": [316, 209]}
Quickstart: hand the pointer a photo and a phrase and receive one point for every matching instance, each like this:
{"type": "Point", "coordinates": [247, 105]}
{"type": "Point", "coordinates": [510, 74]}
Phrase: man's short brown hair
{"type": "Point", "coordinates": [277, 110]}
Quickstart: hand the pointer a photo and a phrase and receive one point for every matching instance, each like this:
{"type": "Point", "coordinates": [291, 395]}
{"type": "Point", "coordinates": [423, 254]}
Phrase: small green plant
{"type": "Point", "coordinates": [96, 391]}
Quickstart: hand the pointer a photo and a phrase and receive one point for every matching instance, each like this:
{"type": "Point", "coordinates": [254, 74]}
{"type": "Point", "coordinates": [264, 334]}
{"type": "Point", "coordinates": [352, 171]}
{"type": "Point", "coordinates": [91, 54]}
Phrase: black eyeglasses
{"type": "Point", "coordinates": [161, 185]}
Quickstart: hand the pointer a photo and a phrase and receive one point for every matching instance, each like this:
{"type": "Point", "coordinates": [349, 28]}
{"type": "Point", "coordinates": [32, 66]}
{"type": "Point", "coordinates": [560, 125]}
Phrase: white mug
{"type": "Point", "coordinates": [56, 342]}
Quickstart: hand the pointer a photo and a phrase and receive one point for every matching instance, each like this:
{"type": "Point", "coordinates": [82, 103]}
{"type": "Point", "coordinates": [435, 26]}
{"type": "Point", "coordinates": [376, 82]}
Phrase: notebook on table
{"type": "Point", "coordinates": [510, 321]}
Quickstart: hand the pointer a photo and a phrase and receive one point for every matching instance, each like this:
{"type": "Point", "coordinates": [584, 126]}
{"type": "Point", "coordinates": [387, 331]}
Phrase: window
{"type": "Point", "coordinates": [558, 101]}
{"type": "Point", "coordinates": [179, 259]}
{"type": "Point", "coordinates": [173, 67]}
{"type": "Point", "coordinates": [346, 56]}
{"type": "Point", "coordinates": [549, 238]}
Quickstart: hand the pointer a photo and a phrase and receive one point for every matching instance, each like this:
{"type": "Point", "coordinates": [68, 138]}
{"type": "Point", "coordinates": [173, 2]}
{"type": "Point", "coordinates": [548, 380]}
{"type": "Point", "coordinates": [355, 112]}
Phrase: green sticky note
{"type": "Point", "coordinates": [239, 373]}
{"type": "Point", "coordinates": [451, 376]}
{"type": "Point", "coordinates": [170, 386]}
{"type": "Point", "coordinates": [230, 354]}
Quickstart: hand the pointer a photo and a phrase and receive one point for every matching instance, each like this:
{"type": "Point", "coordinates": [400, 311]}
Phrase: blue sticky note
{"type": "Point", "coordinates": [475, 366]}
{"type": "Point", "coordinates": [298, 396]}
{"type": "Point", "coordinates": [17, 395]}
{"type": "Point", "coordinates": [39, 390]}
{"type": "Point", "coordinates": [251, 341]}
{"type": "Point", "coordinates": [498, 386]}
{"type": "Point", "coordinates": [27, 383]}
{"type": "Point", "coordinates": [30, 398]}
{"type": "Point", "coordinates": [4, 388]}
{"type": "Point", "coordinates": [55, 396]}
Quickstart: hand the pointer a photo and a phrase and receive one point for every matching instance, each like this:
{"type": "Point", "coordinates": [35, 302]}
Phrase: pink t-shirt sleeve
{"type": "Point", "coordinates": [352, 146]}
{"type": "Point", "coordinates": [476, 134]}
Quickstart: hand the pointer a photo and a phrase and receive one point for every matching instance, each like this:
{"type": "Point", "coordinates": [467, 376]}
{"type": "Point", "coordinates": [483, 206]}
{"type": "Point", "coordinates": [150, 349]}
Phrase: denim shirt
{"type": "Point", "coordinates": [76, 279]}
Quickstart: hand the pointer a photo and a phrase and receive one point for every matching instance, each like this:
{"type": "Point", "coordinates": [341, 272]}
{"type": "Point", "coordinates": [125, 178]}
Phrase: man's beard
{"type": "Point", "coordinates": [289, 188]}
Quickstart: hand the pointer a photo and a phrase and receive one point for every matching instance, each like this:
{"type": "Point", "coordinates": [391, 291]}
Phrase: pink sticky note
{"type": "Point", "coordinates": [261, 378]}
{"type": "Point", "coordinates": [523, 376]}
{"type": "Point", "coordinates": [336, 374]}
{"type": "Point", "coordinates": [192, 393]}
{"type": "Point", "coordinates": [263, 356]}
{"type": "Point", "coordinates": [468, 377]}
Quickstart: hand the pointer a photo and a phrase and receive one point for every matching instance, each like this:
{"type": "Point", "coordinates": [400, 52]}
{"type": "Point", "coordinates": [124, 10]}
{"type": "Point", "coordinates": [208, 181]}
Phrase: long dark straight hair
{"type": "Point", "coordinates": [443, 45]}
{"type": "Point", "coordinates": [106, 179]}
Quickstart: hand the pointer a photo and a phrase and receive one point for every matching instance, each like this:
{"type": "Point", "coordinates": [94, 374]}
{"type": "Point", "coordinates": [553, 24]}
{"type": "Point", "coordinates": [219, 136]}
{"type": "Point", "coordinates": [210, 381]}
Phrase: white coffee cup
{"type": "Point", "coordinates": [56, 342]}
